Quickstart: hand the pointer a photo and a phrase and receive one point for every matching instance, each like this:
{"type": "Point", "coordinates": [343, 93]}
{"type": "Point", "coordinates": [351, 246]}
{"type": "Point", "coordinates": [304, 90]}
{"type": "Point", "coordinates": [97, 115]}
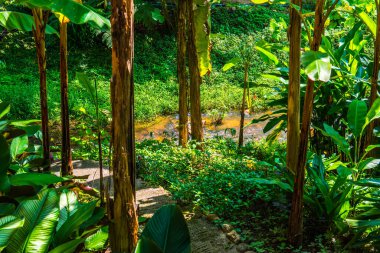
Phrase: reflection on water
{"type": "Point", "coordinates": [166, 127]}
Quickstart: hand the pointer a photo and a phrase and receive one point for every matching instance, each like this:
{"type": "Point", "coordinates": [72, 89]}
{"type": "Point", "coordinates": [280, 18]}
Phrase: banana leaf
{"type": "Point", "coordinates": [41, 217]}
{"type": "Point", "coordinates": [8, 226]}
{"type": "Point", "coordinates": [76, 12]}
{"type": "Point", "coordinates": [12, 20]}
{"type": "Point", "coordinates": [166, 232]}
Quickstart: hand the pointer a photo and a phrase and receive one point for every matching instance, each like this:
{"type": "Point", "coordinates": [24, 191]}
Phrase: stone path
{"type": "Point", "coordinates": [205, 236]}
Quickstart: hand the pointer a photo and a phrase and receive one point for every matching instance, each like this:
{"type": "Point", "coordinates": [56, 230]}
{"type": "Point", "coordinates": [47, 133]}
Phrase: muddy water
{"type": "Point", "coordinates": [166, 127]}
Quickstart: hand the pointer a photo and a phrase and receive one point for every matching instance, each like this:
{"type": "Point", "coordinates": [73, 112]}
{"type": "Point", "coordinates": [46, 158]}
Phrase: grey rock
{"type": "Point", "coordinates": [233, 236]}
{"type": "Point", "coordinates": [227, 228]}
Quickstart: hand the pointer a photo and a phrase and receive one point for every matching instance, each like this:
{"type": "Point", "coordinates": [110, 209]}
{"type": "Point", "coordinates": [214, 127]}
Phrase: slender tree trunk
{"type": "Point", "coordinates": [181, 72]}
{"type": "Point", "coordinates": [124, 225]}
{"type": "Point", "coordinates": [166, 14]}
{"type": "Point", "coordinates": [100, 151]}
{"type": "Point", "coordinates": [241, 130]}
{"type": "Point", "coordinates": [293, 131]}
{"type": "Point", "coordinates": [296, 219]}
{"type": "Point", "coordinates": [67, 167]}
{"type": "Point", "coordinates": [375, 76]}
{"type": "Point", "coordinates": [40, 20]}
{"type": "Point", "coordinates": [195, 79]}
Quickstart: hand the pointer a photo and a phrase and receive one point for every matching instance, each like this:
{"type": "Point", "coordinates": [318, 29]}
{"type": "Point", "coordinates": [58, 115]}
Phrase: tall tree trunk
{"type": "Point", "coordinates": [124, 225]}
{"type": "Point", "coordinates": [40, 20]}
{"type": "Point", "coordinates": [100, 151]}
{"type": "Point", "coordinates": [375, 76]}
{"type": "Point", "coordinates": [67, 167]}
{"type": "Point", "coordinates": [293, 131]}
{"type": "Point", "coordinates": [296, 219]}
{"type": "Point", "coordinates": [181, 72]}
{"type": "Point", "coordinates": [241, 130]}
{"type": "Point", "coordinates": [195, 78]}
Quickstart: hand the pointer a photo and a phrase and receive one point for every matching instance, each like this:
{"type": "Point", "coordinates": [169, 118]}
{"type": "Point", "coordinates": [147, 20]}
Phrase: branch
{"type": "Point", "coordinates": [329, 10]}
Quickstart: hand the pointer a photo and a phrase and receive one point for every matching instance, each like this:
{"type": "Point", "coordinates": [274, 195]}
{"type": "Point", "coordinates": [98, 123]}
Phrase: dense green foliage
{"type": "Point", "coordinates": [156, 87]}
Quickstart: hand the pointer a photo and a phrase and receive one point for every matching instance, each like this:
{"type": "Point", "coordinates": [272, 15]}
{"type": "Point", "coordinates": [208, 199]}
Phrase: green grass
{"type": "Point", "coordinates": [156, 89]}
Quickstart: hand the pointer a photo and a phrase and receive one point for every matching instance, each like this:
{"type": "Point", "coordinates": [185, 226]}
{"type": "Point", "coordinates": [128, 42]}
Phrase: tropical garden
{"type": "Point", "coordinates": [259, 117]}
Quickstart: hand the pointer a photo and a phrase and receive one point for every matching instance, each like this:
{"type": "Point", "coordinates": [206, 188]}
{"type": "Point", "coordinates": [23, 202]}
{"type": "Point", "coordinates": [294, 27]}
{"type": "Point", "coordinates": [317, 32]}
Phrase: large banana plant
{"type": "Point", "coordinates": [41, 217]}
{"type": "Point", "coordinates": [52, 221]}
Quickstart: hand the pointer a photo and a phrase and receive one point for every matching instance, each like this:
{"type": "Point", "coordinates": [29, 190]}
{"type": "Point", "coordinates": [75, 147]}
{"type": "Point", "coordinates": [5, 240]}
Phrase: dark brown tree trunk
{"type": "Point", "coordinates": [67, 167]}
{"type": "Point", "coordinates": [124, 225]}
{"type": "Point", "coordinates": [241, 129]}
{"type": "Point", "coordinates": [293, 129]}
{"type": "Point", "coordinates": [165, 11]}
{"type": "Point", "coordinates": [195, 79]}
{"type": "Point", "coordinates": [40, 20]}
{"type": "Point", "coordinates": [374, 77]}
{"type": "Point", "coordinates": [296, 219]}
{"type": "Point", "coordinates": [181, 72]}
{"type": "Point", "coordinates": [100, 151]}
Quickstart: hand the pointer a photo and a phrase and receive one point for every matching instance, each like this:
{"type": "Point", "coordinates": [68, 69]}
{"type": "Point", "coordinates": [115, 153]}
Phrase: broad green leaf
{"type": "Point", "coordinates": [25, 123]}
{"type": "Point", "coordinates": [202, 25]}
{"type": "Point", "coordinates": [339, 140]}
{"type": "Point", "coordinates": [67, 247]}
{"type": "Point", "coordinates": [76, 12]}
{"type": "Point", "coordinates": [231, 63]}
{"type": "Point", "coordinates": [274, 122]}
{"type": "Point", "coordinates": [73, 222]}
{"type": "Point", "coordinates": [267, 56]}
{"type": "Point", "coordinates": [98, 240]}
{"type": "Point", "coordinates": [146, 245]}
{"type": "Point", "coordinates": [361, 224]}
{"type": "Point", "coordinates": [12, 20]}
{"type": "Point", "coordinates": [357, 112]}
{"type": "Point", "coordinates": [276, 131]}
{"type": "Point", "coordinates": [5, 156]}
{"type": "Point", "coordinates": [280, 184]}
{"type": "Point", "coordinates": [86, 82]}
{"type": "Point", "coordinates": [34, 179]}
{"type": "Point", "coordinates": [373, 113]}
{"type": "Point", "coordinates": [368, 164]}
{"type": "Point", "coordinates": [30, 130]}
{"type": "Point", "coordinates": [156, 16]}
{"type": "Point", "coordinates": [96, 217]}
{"type": "Point", "coordinates": [168, 230]}
{"type": "Point", "coordinates": [317, 65]}
{"type": "Point", "coordinates": [68, 204]}
{"type": "Point", "coordinates": [369, 22]}
{"type": "Point", "coordinates": [4, 108]}
{"type": "Point", "coordinates": [276, 78]}
{"type": "Point", "coordinates": [41, 217]}
{"type": "Point", "coordinates": [19, 145]}
{"type": "Point", "coordinates": [8, 226]}
{"type": "Point", "coordinates": [371, 147]}
{"type": "Point", "coordinates": [372, 182]}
